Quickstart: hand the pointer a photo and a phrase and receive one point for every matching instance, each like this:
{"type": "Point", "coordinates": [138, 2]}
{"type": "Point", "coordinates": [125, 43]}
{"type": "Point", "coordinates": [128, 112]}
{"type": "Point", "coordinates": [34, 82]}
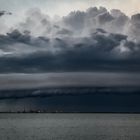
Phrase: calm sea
{"type": "Point", "coordinates": [69, 126]}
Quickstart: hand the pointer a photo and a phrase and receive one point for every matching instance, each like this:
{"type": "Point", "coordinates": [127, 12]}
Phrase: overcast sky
{"type": "Point", "coordinates": [51, 43]}
{"type": "Point", "coordinates": [83, 37]}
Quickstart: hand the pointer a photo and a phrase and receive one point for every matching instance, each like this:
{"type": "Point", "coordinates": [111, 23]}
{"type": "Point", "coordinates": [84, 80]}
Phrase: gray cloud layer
{"type": "Point", "coordinates": [69, 79]}
{"type": "Point", "coordinates": [81, 41]}
{"type": "Point", "coordinates": [14, 86]}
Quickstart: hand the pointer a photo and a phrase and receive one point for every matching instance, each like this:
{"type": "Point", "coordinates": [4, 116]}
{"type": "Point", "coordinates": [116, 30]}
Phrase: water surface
{"type": "Point", "coordinates": [69, 126]}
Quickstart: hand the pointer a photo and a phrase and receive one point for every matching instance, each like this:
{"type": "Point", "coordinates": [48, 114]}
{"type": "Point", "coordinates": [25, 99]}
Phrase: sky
{"type": "Point", "coordinates": [69, 43]}
{"type": "Point", "coordinates": [63, 7]}
{"type": "Point", "coordinates": [40, 36]}
{"type": "Point", "coordinates": [65, 36]}
{"type": "Point", "coordinates": [56, 36]}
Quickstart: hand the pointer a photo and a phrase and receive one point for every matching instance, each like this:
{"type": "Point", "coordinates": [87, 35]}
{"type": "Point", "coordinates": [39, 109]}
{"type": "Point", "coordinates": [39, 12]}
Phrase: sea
{"type": "Point", "coordinates": [69, 126]}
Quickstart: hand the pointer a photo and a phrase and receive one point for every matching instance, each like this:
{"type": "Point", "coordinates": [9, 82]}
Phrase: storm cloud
{"type": "Point", "coordinates": [91, 40]}
{"type": "Point", "coordinates": [70, 92]}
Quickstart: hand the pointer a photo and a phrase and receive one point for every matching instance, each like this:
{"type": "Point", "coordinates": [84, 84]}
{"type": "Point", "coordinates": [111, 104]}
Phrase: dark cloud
{"type": "Point", "coordinates": [72, 100]}
{"type": "Point", "coordinates": [61, 91]}
{"type": "Point", "coordinates": [99, 51]}
{"type": "Point", "coordinates": [91, 40]}
{"type": "Point", "coordinates": [2, 13]}
{"type": "Point", "coordinates": [21, 86]}
{"type": "Point", "coordinates": [81, 41]}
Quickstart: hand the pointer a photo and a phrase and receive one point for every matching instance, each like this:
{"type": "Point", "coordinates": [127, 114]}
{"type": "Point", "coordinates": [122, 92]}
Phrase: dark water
{"type": "Point", "coordinates": [69, 127]}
